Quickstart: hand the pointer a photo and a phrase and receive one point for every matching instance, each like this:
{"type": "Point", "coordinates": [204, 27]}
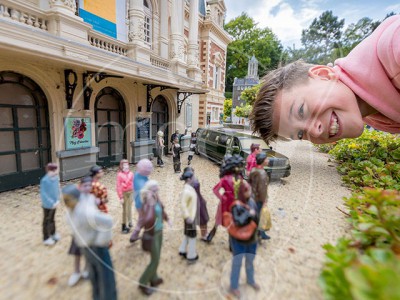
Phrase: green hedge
{"type": "Point", "coordinates": [366, 265]}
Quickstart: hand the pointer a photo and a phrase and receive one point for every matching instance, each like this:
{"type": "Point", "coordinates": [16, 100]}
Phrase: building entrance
{"type": "Point", "coordinates": [110, 127]}
{"type": "Point", "coordinates": [160, 120]}
{"type": "Point", "coordinates": [24, 131]}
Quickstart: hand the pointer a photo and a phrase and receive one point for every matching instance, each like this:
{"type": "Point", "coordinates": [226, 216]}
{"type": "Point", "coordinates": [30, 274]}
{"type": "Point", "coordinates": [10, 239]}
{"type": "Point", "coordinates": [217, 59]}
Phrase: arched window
{"type": "Point", "coordinates": [148, 20]}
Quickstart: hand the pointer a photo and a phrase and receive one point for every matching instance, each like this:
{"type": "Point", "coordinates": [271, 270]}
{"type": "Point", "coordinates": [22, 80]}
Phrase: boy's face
{"type": "Point", "coordinates": [323, 110]}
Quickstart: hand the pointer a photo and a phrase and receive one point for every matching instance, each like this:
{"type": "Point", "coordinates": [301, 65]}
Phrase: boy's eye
{"type": "Point", "coordinates": [301, 111]}
{"type": "Point", "coordinates": [300, 134]}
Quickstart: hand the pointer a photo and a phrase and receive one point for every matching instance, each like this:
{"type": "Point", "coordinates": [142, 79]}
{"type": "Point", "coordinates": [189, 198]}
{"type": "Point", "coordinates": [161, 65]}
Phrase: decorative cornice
{"type": "Point", "coordinates": [220, 32]}
{"type": "Point", "coordinates": [69, 4]}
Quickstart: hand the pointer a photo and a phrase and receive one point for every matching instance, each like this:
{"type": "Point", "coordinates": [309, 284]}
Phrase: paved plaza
{"type": "Point", "coordinates": [304, 217]}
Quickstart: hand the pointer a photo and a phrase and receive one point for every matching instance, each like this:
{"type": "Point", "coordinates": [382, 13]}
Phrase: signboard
{"type": "Point", "coordinates": [106, 16]}
{"type": "Point", "coordinates": [77, 133]}
{"type": "Point", "coordinates": [142, 128]}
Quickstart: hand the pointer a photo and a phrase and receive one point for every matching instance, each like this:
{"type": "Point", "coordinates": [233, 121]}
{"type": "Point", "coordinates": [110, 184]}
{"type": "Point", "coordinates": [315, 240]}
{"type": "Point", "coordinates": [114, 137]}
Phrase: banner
{"type": "Point", "coordinates": [106, 16]}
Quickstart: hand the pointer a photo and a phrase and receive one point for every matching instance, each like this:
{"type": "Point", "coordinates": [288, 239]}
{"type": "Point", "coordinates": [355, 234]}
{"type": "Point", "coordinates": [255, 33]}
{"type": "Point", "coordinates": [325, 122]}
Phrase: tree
{"type": "Point", "coordinates": [243, 111]}
{"type": "Point", "coordinates": [250, 94]}
{"type": "Point", "coordinates": [322, 38]}
{"type": "Point", "coordinates": [249, 40]}
{"type": "Point", "coordinates": [227, 108]}
{"type": "Point", "coordinates": [355, 33]}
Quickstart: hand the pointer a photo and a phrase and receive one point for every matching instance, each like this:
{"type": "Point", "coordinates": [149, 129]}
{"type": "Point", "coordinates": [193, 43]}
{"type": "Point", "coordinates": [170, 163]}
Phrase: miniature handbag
{"type": "Point", "coordinates": [147, 241]}
{"type": "Point", "coordinates": [265, 218]}
{"type": "Point", "coordinates": [242, 233]}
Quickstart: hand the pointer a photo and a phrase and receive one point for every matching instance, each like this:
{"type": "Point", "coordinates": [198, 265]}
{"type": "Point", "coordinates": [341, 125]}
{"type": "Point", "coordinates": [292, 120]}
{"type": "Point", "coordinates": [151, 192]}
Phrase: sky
{"type": "Point", "coordinates": [287, 18]}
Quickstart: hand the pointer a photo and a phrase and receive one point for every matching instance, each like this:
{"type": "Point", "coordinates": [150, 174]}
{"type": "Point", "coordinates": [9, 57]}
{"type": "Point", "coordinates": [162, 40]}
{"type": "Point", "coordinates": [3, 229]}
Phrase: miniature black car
{"type": "Point", "coordinates": [215, 143]}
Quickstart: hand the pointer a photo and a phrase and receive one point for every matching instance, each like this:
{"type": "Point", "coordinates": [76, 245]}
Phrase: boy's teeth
{"type": "Point", "coordinates": [334, 129]}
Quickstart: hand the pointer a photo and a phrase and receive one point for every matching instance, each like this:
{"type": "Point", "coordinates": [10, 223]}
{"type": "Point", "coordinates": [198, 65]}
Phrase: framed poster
{"type": "Point", "coordinates": [142, 128]}
{"type": "Point", "coordinates": [77, 133]}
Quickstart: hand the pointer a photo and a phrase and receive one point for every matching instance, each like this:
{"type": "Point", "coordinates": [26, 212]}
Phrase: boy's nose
{"type": "Point", "coordinates": [315, 129]}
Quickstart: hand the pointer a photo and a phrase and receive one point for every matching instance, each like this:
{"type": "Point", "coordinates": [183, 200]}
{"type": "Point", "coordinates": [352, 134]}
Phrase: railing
{"type": "Point", "coordinates": [160, 62]}
{"type": "Point", "coordinates": [24, 15]}
{"type": "Point", "coordinates": [108, 44]}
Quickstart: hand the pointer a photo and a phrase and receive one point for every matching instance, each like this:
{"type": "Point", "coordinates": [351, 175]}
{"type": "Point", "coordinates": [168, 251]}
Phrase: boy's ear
{"type": "Point", "coordinates": [322, 72]}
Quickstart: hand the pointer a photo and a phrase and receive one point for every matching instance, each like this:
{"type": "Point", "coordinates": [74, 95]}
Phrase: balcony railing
{"type": "Point", "coordinates": [24, 15]}
{"type": "Point", "coordinates": [108, 44]}
{"type": "Point", "coordinates": [160, 62]}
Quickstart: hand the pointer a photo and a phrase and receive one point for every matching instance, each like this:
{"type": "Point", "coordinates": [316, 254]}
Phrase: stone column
{"type": "Point", "coordinates": [177, 31]}
{"type": "Point", "coordinates": [193, 48]}
{"type": "Point", "coordinates": [136, 46]}
{"type": "Point", "coordinates": [163, 38]}
{"type": "Point", "coordinates": [177, 49]}
{"type": "Point", "coordinates": [136, 22]}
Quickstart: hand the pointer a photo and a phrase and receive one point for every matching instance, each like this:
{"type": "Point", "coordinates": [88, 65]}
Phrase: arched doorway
{"type": "Point", "coordinates": [110, 127]}
{"type": "Point", "coordinates": [24, 131]}
{"type": "Point", "coordinates": [160, 119]}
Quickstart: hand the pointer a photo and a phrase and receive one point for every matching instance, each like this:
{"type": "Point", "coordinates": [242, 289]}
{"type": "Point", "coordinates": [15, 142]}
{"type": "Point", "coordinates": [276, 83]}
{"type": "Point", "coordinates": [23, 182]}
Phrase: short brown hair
{"type": "Point", "coordinates": [283, 78]}
{"type": "Point", "coordinates": [254, 146]}
{"type": "Point", "coordinates": [51, 167]}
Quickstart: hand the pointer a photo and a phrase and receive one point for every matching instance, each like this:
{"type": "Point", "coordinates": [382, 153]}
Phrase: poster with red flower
{"type": "Point", "coordinates": [77, 133]}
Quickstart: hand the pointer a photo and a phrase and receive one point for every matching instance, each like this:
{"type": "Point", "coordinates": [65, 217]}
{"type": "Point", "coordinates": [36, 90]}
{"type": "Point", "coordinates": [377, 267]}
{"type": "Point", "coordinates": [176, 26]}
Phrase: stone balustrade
{"type": "Point", "coordinates": [160, 62]}
{"type": "Point", "coordinates": [109, 44]}
{"type": "Point", "coordinates": [23, 14]}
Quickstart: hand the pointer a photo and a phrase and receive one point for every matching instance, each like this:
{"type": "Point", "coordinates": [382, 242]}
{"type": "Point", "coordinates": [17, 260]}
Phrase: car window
{"type": "Point", "coordinates": [246, 143]}
{"type": "Point", "coordinates": [203, 134]}
{"type": "Point", "coordinates": [213, 137]}
{"type": "Point", "coordinates": [223, 139]}
{"type": "Point", "coordinates": [236, 142]}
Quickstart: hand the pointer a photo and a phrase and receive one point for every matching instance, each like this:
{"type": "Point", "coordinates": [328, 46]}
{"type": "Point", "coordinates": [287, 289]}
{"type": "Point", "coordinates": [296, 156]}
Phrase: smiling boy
{"type": "Point", "coordinates": [324, 104]}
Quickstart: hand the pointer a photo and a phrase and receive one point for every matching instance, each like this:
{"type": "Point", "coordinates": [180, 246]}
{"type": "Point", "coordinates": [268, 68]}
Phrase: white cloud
{"type": "Point", "coordinates": [286, 22]}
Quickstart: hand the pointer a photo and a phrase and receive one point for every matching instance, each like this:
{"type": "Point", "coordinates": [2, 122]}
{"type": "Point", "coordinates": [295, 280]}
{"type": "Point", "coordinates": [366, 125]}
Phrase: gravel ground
{"type": "Point", "coordinates": [304, 218]}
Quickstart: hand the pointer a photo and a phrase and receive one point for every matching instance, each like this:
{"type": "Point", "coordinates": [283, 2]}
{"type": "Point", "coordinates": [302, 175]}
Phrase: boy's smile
{"type": "Point", "coordinates": [321, 110]}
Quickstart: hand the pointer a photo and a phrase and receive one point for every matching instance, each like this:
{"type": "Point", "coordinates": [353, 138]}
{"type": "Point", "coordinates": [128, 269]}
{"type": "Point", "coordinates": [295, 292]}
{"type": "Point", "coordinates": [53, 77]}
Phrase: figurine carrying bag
{"type": "Point", "coordinates": [265, 218]}
{"type": "Point", "coordinates": [241, 233]}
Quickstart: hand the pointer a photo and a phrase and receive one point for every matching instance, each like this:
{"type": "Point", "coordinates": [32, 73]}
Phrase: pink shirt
{"type": "Point", "coordinates": [251, 162]}
{"type": "Point", "coordinates": [124, 182]}
{"type": "Point", "coordinates": [372, 71]}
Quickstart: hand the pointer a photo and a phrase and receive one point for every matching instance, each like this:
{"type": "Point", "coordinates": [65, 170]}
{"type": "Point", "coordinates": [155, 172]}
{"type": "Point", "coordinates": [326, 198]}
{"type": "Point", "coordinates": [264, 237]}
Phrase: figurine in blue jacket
{"type": "Point", "coordinates": [143, 170]}
{"type": "Point", "coordinates": [50, 194]}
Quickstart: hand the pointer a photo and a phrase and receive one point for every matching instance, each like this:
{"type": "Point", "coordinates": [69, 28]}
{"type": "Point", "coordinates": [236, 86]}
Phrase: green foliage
{"type": "Point", "coordinates": [228, 95]}
{"type": "Point", "coordinates": [227, 108]}
{"type": "Point", "coordinates": [250, 94]}
{"type": "Point", "coordinates": [366, 265]}
{"type": "Point", "coordinates": [355, 33]}
{"type": "Point", "coordinates": [372, 160]}
{"type": "Point", "coordinates": [322, 37]}
{"type": "Point", "coordinates": [243, 111]}
{"type": "Point", "coordinates": [325, 148]}
{"type": "Point", "coordinates": [249, 40]}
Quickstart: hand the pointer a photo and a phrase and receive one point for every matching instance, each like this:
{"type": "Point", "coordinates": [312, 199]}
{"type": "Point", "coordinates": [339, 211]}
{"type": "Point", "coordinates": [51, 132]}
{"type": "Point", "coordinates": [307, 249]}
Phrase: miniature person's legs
{"type": "Point", "coordinates": [203, 231]}
{"type": "Point", "coordinates": [183, 246]}
{"type": "Point", "coordinates": [150, 273]}
{"type": "Point", "coordinates": [191, 253]}
{"type": "Point", "coordinates": [103, 279]}
{"type": "Point", "coordinates": [250, 255]}
{"type": "Point", "coordinates": [128, 203]}
{"type": "Point", "coordinates": [238, 251]}
{"type": "Point", "coordinates": [46, 223]}
{"type": "Point", "coordinates": [126, 210]}
{"type": "Point", "coordinates": [52, 223]}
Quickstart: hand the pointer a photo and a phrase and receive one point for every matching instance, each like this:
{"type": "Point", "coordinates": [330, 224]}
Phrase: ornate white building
{"type": "Point", "coordinates": [91, 82]}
